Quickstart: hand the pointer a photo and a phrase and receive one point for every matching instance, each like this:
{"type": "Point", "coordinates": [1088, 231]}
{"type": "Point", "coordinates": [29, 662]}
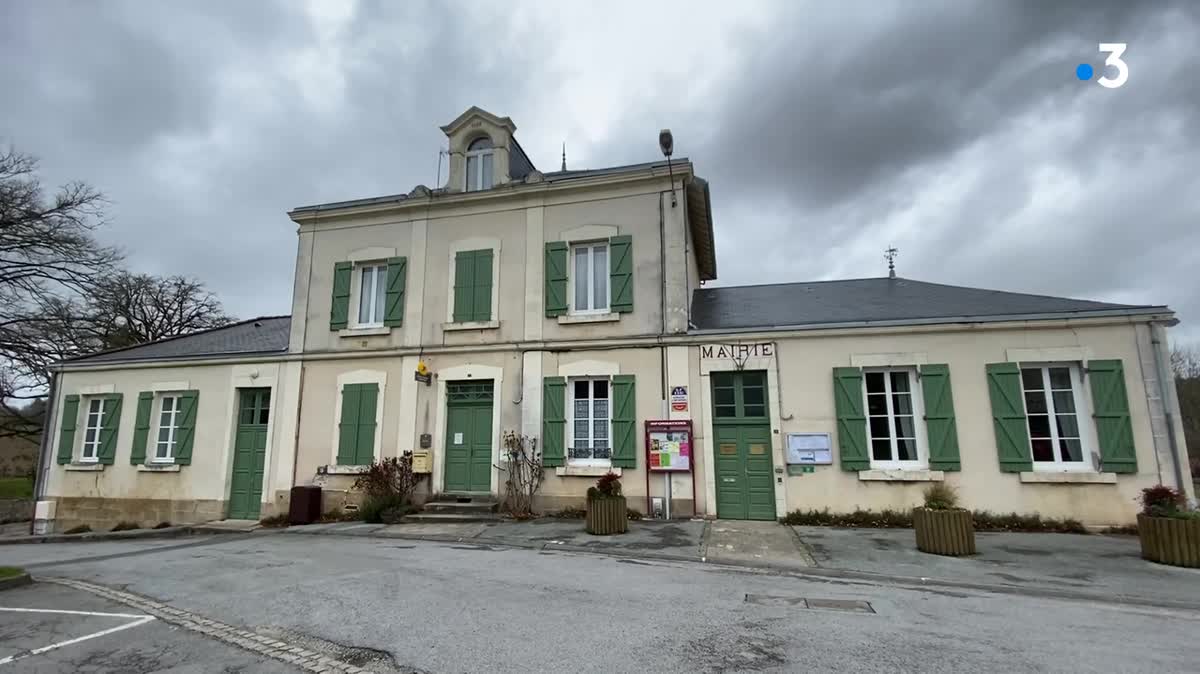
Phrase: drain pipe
{"type": "Point", "coordinates": [1158, 338]}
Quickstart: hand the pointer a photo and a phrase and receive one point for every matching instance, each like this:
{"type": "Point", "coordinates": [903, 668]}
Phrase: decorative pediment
{"type": "Point", "coordinates": [478, 114]}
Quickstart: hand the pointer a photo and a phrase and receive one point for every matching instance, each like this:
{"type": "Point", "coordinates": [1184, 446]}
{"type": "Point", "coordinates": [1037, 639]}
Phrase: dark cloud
{"type": "Point", "coordinates": [954, 130]}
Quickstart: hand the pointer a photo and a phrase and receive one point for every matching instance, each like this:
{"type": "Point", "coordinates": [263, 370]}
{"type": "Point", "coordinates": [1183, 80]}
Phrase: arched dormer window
{"type": "Point", "coordinates": [479, 165]}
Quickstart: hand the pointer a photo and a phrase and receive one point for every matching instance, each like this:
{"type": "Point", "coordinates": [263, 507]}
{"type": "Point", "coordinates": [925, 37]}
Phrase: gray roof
{"type": "Point", "coordinates": [266, 336]}
{"type": "Point", "coordinates": [857, 302]}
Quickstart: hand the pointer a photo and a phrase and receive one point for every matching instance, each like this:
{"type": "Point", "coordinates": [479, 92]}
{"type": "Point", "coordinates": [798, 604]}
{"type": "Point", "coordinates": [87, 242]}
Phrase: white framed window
{"type": "Point", "coordinates": [479, 165]}
{"type": "Point", "coordinates": [372, 292]}
{"type": "Point", "coordinates": [590, 429]}
{"type": "Point", "coordinates": [92, 425]}
{"type": "Point", "coordinates": [1053, 397]}
{"type": "Point", "coordinates": [894, 410]}
{"type": "Point", "coordinates": [589, 278]}
{"type": "Point", "coordinates": [168, 428]}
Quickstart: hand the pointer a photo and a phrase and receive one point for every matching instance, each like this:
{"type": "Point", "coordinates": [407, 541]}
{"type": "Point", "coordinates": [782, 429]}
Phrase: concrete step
{"type": "Point", "coordinates": [447, 518]}
{"type": "Point", "coordinates": [453, 506]}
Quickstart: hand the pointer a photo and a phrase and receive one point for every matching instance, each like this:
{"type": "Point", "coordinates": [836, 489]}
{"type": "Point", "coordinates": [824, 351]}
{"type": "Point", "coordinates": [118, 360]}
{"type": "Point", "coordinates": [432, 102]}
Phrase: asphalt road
{"type": "Point", "coordinates": [437, 607]}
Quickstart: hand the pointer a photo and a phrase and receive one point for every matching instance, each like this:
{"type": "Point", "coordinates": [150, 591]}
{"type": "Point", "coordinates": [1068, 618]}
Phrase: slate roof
{"type": "Point", "coordinates": [860, 302]}
{"type": "Point", "coordinates": [267, 335]}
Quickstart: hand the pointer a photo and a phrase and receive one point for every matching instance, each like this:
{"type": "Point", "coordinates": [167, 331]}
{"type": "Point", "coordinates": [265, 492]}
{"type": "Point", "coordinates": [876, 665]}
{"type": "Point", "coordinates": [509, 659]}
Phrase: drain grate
{"type": "Point", "coordinates": [847, 605]}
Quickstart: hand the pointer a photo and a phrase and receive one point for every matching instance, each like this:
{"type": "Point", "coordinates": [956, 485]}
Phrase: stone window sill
{"type": "Point", "coordinates": [158, 468]}
{"type": "Point", "coordinates": [333, 469]}
{"type": "Point", "coordinates": [365, 332]}
{"type": "Point", "coordinates": [585, 471]}
{"type": "Point", "coordinates": [1063, 477]}
{"type": "Point", "coordinates": [471, 325]}
{"type": "Point", "coordinates": [901, 475]}
{"type": "Point", "coordinates": [589, 318]}
{"type": "Point", "coordinates": [85, 467]}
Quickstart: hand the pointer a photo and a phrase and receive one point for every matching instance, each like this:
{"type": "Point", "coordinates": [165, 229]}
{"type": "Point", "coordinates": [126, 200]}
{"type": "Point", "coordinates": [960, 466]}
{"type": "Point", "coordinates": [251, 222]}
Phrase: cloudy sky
{"type": "Point", "coordinates": [956, 131]}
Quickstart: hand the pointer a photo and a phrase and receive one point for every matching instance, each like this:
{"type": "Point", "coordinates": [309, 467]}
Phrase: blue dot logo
{"type": "Point", "coordinates": [1084, 71]}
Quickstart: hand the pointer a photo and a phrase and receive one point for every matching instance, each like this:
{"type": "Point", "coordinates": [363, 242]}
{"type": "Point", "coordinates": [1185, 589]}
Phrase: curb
{"type": "Point", "coordinates": [94, 536]}
{"type": "Point", "coordinates": [15, 581]}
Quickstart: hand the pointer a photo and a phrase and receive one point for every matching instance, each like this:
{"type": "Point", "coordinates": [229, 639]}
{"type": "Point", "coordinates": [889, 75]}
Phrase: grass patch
{"type": "Point", "coordinates": [162, 525]}
{"type": "Point", "coordinates": [275, 521]}
{"type": "Point", "coordinates": [126, 526]}
{"type": "Point", "coordinates": [10, 571]}
{"type": "Point", "coordinates": [16, 487]}
{"type": "Point", "coordinates": [81, 529]}
{"type": "Point", "coordinates": [902, 519]}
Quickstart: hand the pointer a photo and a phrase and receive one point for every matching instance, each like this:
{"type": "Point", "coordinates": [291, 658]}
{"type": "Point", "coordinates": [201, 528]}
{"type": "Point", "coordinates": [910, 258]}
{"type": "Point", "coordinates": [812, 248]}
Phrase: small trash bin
{"type": "Point", "coordinates": [305, 507]}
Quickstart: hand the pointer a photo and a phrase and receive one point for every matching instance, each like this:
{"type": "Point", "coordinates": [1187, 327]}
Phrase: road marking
{"type": "Point", "coordinates": [139, 620]}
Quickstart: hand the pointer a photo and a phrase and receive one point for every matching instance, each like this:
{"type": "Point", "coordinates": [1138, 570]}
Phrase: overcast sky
{"type": "Point", "coordinates": [956, 131]}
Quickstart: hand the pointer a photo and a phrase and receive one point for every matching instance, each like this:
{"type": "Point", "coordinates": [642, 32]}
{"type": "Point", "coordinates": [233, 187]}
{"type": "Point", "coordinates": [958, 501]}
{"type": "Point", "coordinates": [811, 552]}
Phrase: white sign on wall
{"type": "Point", "coordinates": [809, 448]}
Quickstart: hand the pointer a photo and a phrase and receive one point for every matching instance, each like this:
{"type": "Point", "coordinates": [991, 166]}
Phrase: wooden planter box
{"type": "Point", "coordinates": [944, 532]}
{"type": "Point", "coordinates": [607, 515]}
{"type": "Point", "coordinates": [1169, 540]}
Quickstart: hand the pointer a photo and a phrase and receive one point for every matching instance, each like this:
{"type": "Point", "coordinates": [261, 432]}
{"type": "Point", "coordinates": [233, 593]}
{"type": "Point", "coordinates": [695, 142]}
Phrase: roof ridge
{"type": "Point", "coordinates": [175, 337]}
{"type": "Point", "coordinates": [1024, 294]}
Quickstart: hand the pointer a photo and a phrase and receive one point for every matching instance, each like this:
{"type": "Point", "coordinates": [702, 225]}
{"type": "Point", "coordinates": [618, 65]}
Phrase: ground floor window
{"type": "Point", "coordinates": [1052, 400]}
{"type": "Point", "coordinates": [892, 414]}
{"type": "Point", "coordinates": [93, 424]}
{"type": "Point", "coordinates": [168, 428]}
{"type": "Point", "coordinates": [590, 441]}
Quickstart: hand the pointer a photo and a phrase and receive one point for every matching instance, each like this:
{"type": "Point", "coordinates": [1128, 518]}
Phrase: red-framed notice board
{"type": "Point", "coordinates": [669, 445]}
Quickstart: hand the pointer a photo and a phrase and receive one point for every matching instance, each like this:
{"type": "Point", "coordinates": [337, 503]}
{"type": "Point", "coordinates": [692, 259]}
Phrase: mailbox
{"type": "Point", "coordinates": [421, 462]}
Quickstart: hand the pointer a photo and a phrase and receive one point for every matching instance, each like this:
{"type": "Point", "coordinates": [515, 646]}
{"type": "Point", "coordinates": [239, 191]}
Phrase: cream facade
{"type": "Point", "coordinates": [569, 307]}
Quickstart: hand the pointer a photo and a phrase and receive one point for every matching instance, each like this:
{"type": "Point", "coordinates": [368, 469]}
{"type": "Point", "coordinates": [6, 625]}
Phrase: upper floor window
{"type": "Point", "coordinates": [892, 413]}
{"type": "Point", "coordinates": [372, 291]}
{"type": "Point", "coordinates": [1052, 400]}
{"type": "Point", "coordinates": [479, 165]}
{"type": "Point", "coordinates": [589, 278]}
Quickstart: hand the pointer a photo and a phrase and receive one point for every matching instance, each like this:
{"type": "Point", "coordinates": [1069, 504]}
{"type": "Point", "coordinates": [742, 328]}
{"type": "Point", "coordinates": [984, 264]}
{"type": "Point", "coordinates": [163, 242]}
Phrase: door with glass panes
{"type": "Point", "coordinates": [469, 436]}
{"type": "Point", "coordinates": [742, 446]}
{"type": "Point", "coordinates": [249, 453]}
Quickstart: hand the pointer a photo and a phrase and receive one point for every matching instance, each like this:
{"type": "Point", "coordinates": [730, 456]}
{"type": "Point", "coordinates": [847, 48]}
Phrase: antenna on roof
{"type": "Point", "coordinates": [890, 256]}
{"type": "Point", "coordinates": [564, 164]}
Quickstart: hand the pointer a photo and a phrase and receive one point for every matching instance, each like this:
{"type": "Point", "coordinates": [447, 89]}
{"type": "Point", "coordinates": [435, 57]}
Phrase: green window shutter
{"type": "Point", "coordinates": [339, 312]}
{"type": "Point", "coordinates": [66, 437]}
{"type": "Point", "coordinates": [940, 426]}
{"type": "Point", "coordinates": [368, 399]}
{"type": "Point", "coordinates": [851, 419]}
{"type": "Point", "coordinates": [554, 421]}
{"type": "Point", "coordinates": [397, 273]}
{"type": "Point", "coordinates": [482, 302]}
{"type": "Point", "coordinates": [141, 427]}
{"type": "Point", "coordinates": [624, 421]}
{"type": "Point", "coordinates": [464, 286]}
{"type": "Point", "coordinates": [556, 278]}
{"type": "Point", "coordinates": [1110, 408]}
{"type": "Point", "coordinates": [620, 256]}
{"type": "Point", "coordinates": [189, 403]}
{"type": "Point", "coordinates": [110, 423]}
{"type": "Point", "coordinates": [348, 425]}
{"type": "Point", "coordinates": [1008, 417]}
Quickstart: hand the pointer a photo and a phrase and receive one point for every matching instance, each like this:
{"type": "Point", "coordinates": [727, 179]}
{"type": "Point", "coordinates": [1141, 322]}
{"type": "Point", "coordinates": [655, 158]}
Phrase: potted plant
{"type": "Point", "coordinates": [1168, 530]}
{"type": "Point", "coordinates": [942, 527]}
{"type": "Point", "coordinates": [606, 513]}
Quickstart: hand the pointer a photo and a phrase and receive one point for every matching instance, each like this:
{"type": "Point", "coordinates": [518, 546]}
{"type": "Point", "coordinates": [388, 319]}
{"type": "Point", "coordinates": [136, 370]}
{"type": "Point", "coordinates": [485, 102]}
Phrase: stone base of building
{"type": "Point", "coordinates": [102, 514]}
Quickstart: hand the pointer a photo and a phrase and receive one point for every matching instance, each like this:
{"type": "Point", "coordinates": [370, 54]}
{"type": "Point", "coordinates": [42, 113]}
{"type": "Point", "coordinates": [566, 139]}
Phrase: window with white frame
{"type": "Point", "coordinates": [93, 425]}
{"type": "Point", "coordinates": [1053, 397]}
{"type": "Point", "coordinates": [372, 292]}
{"type": "Point", "coordinates": [591, 417]}
{"type": "Point", "coordinates": [479, 165]}
{"type": "Point", "coordinates": [589, 278]}
{"type": "Point", "coordinates": [897, 440]}
{"type": "Point", "coordinates": [168, 428]}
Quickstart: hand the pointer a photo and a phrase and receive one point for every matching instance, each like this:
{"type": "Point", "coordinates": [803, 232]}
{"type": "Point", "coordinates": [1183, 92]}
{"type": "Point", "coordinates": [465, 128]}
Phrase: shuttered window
{"type": "Point", "coordinates": [1053, 400]}
{"type": "Point", "coordinates": [896, 439]}
{"type": "Point", "coordinates": [356, 428]}
{"type": "Point", "coordinates": [473, 286]}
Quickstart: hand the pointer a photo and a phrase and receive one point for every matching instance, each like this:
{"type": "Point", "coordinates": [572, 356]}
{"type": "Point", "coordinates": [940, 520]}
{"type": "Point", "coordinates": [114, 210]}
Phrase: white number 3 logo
{"type": "Point", "coordinates": [1114, 49]}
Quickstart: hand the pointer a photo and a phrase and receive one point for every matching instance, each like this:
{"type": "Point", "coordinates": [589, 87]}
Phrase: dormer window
{"type": "Point", "coordinates": [479, 165]}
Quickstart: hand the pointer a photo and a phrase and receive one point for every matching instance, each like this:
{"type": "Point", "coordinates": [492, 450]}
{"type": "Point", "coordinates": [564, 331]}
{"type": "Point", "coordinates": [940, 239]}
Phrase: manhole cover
{"type": "Point", "coordinates": [849, 605]}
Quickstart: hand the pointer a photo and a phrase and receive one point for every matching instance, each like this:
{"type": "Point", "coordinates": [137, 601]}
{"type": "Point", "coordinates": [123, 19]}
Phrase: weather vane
{"type": "Point", "coordinates": [890, 256]}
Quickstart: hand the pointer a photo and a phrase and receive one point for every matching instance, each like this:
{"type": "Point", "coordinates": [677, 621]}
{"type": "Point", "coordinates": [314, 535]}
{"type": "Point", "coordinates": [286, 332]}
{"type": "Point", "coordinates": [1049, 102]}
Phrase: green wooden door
{"type": "Point", "coordinates": [745, 469]}
{"type": "Point", "coordinates": [469, 436]}
{"type": "Point", "coordinates": [249, 453]}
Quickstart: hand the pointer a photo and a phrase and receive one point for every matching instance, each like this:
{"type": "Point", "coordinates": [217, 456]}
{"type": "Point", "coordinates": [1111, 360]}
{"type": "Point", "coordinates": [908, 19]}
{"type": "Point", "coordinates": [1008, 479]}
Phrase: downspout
{"type": "Point", "coordinates": [43, 467]}
{"type": "Point", "coordinates": [1165, 383]}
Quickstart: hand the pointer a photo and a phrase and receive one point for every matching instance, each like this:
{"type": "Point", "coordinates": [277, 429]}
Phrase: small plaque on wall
{"type": "Point", "coordinates": [426, 441]}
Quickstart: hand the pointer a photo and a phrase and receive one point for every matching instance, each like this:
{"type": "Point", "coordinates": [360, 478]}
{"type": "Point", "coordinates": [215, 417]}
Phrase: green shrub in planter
{"type": "Point", "coordinates": [1169, 532]}
{"type": "Point", "coordinates": [606, 511]}
{"type": "Point", "coordinates": [942, 527]}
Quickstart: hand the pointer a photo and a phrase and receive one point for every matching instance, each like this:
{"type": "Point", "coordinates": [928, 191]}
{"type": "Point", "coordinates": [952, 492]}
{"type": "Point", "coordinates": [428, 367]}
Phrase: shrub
{"type": "Point", "coordinates": [393, 514]}
{"type": "Point", "coordinates": [275, 521]}
{"type": "Point", "coordinates": [163, 525]}
{"type": "Point", "coordinates": [523, 472]}
{"type": "Point", "coordinates": [941, 496]}
{"type": "Point", "coordinates": [1161, 501]}
{"type": "Point", "coordinates": [341, 516]}
{"type": "Point", "coordinates": [373, 506]}
{"type": "Point", "coordinates": [389, 479]}
{"type": "Point", "coordinates": [569, 513]}
{"type": "Point", "coordinates": [902, 519]}
{"type": "Point", "coordinates": [986, 521]}
{"type": "Point", "coordinates": [634, 514]}
{"type": "Point", "coordinates": [81, 529]}
{"type": "Point", "coordinates": [608, 486]}
{"type": "Point", "coordinates": [126, 526]}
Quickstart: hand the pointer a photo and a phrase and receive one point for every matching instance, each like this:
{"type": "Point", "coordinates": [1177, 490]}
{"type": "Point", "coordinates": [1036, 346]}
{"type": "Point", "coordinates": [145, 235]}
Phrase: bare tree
{"type": "Point", "coordinates": [1185, 363]}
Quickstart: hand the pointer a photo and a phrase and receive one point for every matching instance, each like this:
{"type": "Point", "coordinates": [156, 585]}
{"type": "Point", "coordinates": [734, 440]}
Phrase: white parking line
{"type": "Point", "coordinates": [138, 620]}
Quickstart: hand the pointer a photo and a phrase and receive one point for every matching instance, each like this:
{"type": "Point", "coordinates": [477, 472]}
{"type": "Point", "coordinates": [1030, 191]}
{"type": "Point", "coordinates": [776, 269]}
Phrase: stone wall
{"type": "Point", "coordinates": [101, 514]}
{"type": "Point", "coordinates": [15, 510]}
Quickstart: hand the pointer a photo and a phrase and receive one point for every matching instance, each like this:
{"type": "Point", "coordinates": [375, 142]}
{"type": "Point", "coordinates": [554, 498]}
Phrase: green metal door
{"type": "Point", "coordinates": [249, 453]}
{"type": "Point", "coordinates": [745, 470]}
{"type": "Point", "coordinates": [469, 436]}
